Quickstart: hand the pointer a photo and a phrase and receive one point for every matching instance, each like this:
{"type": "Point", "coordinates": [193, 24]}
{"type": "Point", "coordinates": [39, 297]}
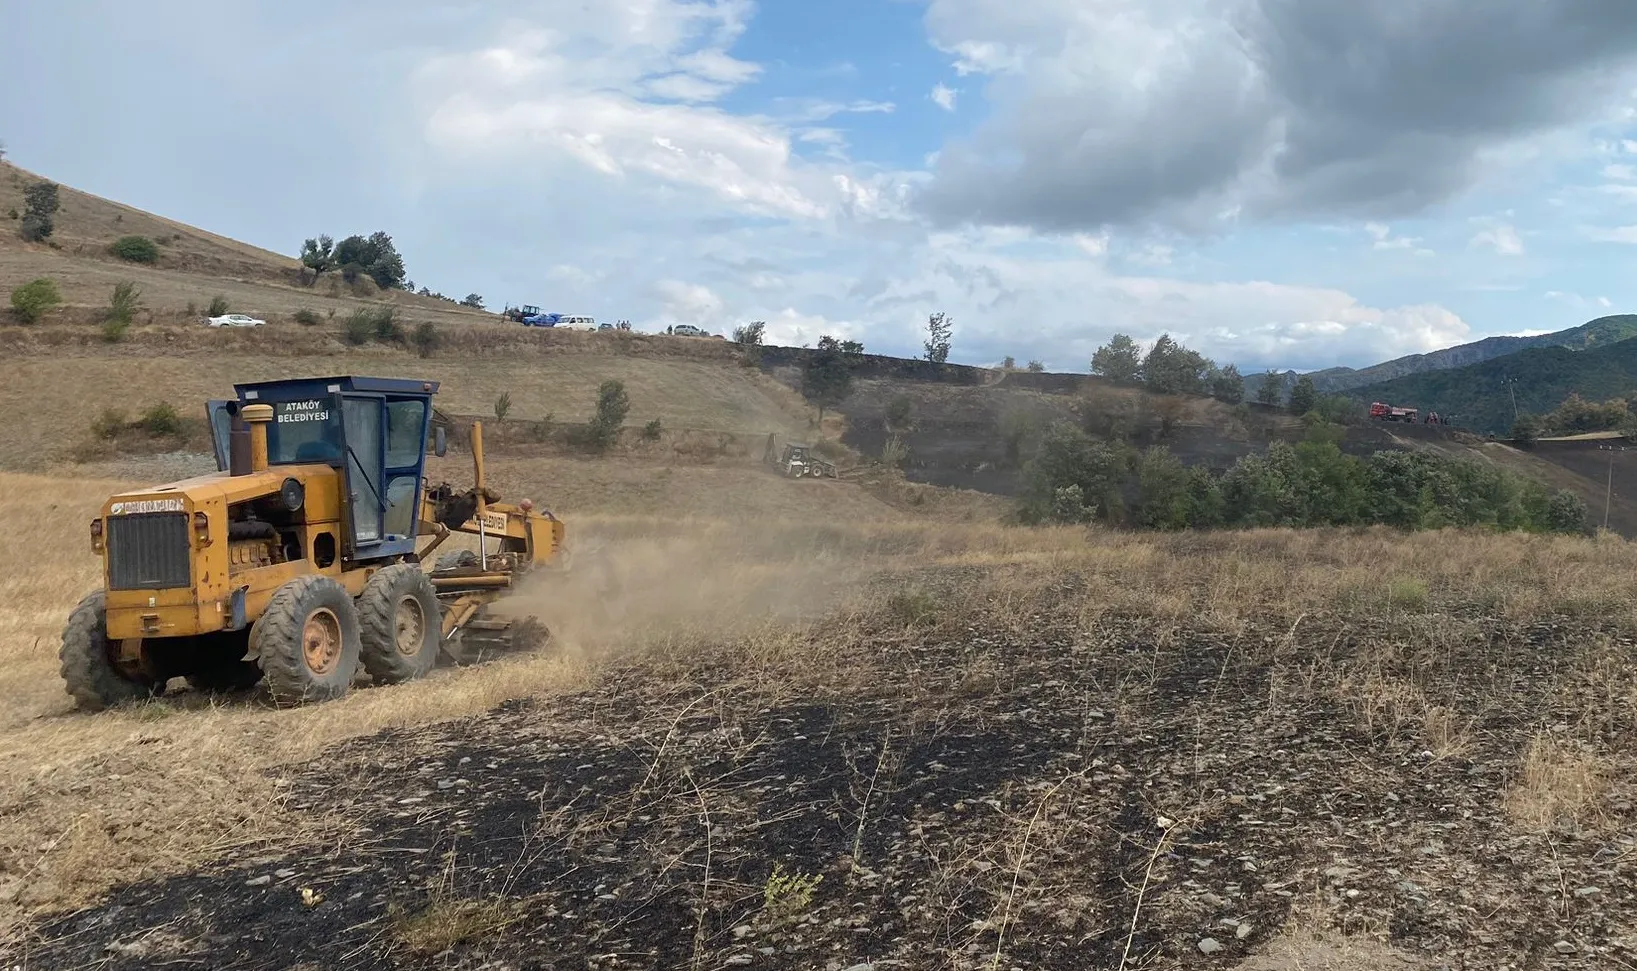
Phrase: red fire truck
{"type": "Point", "coordinates": [1385, 412]}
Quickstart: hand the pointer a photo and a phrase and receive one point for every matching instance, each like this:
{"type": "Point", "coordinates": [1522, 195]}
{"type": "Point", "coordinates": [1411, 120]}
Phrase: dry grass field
{"type": "Point", "coordinates": [1082, 748]}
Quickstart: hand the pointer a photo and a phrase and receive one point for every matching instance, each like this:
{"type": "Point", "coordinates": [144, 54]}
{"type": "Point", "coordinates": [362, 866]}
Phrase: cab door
{"type": "Point", "coordinates": [361, 420]}
{"type": "Point", "coordinates": [221, 430]}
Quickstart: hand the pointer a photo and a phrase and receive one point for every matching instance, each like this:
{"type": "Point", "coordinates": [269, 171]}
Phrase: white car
{"type": "Point", "coordinates": [235, 320]}
{"type": "Point", "coordinates": [687, 330]}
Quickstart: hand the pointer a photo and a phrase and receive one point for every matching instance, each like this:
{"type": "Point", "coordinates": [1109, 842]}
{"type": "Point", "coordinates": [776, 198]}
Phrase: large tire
{"type": "Point", "coordinates": [307, 641]}
{"type": "Point", "coordinates": [87, 666]}
{"type": "Point", "coordinates": [458, 560]}
{"type": "Point", "coordinates": [400, 624]}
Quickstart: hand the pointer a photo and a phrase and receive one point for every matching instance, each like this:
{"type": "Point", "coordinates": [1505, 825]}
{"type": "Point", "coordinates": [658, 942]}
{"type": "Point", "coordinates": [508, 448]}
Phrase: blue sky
{"type": "Point", "coordinates": [1287, 183]}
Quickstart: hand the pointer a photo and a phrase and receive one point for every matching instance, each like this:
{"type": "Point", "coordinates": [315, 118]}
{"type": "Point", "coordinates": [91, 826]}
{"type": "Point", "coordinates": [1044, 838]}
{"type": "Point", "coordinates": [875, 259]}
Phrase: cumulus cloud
{"type": "Point", "coordinates": [626, 90]}
{"type": "Point", "coordinates": [1503, 238]}
{"type": "Point", "coordinates": [1110, 112]}
{"type": "Point", "coordinates": [943, 96]}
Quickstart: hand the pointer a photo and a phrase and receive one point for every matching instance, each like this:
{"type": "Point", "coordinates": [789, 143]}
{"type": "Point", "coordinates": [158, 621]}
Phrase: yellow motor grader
{"type": "Point", "coordinates": [302, 558]}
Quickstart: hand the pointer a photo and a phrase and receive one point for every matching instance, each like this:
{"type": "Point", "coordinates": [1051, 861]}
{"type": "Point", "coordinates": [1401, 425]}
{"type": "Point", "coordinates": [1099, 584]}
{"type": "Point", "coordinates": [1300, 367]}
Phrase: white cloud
{"type": "Point", "coordinates": [554, 96]}
{"type": "Point", "coordinates": [688, 303]}
{"type": "Point", "coordinates": [1577, 301]}
{"type": "Point", "coordinates": [1385, 240]}
{"type": "Point", "coordinates": [943, 96]}
{"type": "Point", "coordinates": [621, 144]}
{"type": "Point", "coordinates": [1503, 238]}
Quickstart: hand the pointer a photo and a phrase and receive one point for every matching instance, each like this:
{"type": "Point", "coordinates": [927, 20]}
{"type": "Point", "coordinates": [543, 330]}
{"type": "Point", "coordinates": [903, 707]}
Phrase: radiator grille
{"type": "Point", "coordinates": [148, 551]}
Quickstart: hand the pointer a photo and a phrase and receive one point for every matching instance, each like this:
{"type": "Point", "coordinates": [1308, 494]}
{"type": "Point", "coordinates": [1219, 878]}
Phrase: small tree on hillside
{"type": "Point", "coordinates": [1303, 396]}
{"type": "Point", "coordinates": [376, 256]}
{"type": "Point", "coordinates": [1119, 360]}
{"type": "Point", "coordinates": [1271, 389]}
{"type": "Point", "coordinates": [900, 414]}
{"type": "Point", "coordinates": [1526, 429]}
{"type": "Point", "coordinates": [40, 205]}
{"type": "Point", "coordinates": [826, 378]}
{"type": "Point", "coordinates": [472, 300]}
{"type": "Point", "coordinates": [750, 333]}
{"type": "Point", "coordinates": [1036, 367]}
{"type": "Point", "coordinates": [613, 404]}
{"type": "Point", "coordinates": [31, 300]}
{"type": "Point", "coordinates": [318, 255]}
{"type": "Point", "coordinates": [425, 338]}
{"type": "Point", "coordinates": [939, 330]}
{"type": "Point", "coordinates": [1228, 385]}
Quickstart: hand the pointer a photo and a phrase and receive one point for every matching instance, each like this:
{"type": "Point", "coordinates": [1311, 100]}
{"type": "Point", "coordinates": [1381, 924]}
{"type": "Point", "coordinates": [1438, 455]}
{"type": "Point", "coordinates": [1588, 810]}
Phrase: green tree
{"type": "Point", "coordinates": [1163, 485]}
{"type": "Point", "coordinates": [826, 377]}
{"type": "Point", "coordinates": [1303, 396]}
{"type": "Point", "coordinates": [425, 338]}
{"type": "Point", "coordinates": [40, 205]}
{"type": "Point", "coordinates": [613, 404]}
{"type": "Point", "coordinates": [472, 300]}
{"type": "Point", "coordinates": [1206, 507]}
{"type": "Point", "coordinates": [1009, 364]}
{"type": "Point", "coordinates": [939, 329]}
{"type": "Point", "coordinates": [318, 255]}
{"type": "Point", "coordinates": [1068, 457]}
{"type": "Point", "coordinates": [1119, 360]}
{"type": "Point", "coordinates": [1171, 368]}
{"type": "Point", "coordinates": [1271, 390]}
{"type": "Point", "coordinates": [900, 414]}
{"type": "Point", "coordinates": [375, 256]}
{"type": "Point", "coordinates": [1035, 367]}
{"type": "Point", "coordinates": [1228, 385]}
{"type": "Point", "coordinates": [1566, 513]}
{"type": "Point", "coordinates": [31, 300]}
{"type": "Point", "coordinates": [1526, 429]}
{"type": "Point", "coordinates": [135, 249]}
{"type": "Point", "coordinates": [124, 303]}
{"type": "Point", "coordinates": [750, 333]}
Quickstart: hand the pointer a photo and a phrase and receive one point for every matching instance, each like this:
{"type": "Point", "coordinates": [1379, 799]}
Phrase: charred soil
{"type": "Point", "coordinates": [942, 792]}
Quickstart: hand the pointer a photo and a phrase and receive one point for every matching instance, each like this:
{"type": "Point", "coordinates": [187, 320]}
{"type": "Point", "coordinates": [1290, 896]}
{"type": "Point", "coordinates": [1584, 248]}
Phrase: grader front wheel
{"type": "Point", "coordinates": [308, 641]}
{"type": "Point", "coordinates": [88, 669]}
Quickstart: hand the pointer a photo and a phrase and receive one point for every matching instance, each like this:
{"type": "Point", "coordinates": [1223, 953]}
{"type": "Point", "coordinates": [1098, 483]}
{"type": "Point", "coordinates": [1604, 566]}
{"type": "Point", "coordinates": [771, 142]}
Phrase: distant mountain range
{"type": "Point", "coordinates": [1601, 332]}
{"type": "Point", "coordinates": [1480, 396]}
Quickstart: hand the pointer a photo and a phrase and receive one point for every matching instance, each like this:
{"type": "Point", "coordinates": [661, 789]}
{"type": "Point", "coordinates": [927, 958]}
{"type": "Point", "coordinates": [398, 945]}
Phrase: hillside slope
{"type": "Point", "coordinates": [1594, 333]}
{"type": "Point", "coordinates": [1479, 396]}
{"type": "Point", "coordinates": [194, 265]}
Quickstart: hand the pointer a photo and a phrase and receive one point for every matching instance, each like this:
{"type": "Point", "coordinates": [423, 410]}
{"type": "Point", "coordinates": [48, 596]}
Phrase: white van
{"type": "Point", "coordinates": [577, 323]}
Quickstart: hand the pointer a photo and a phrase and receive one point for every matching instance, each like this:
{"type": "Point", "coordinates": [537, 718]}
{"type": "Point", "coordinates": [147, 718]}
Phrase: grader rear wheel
{"type": "Point", "coordinates": [399, 624]}
{"type": "Point", "coordinates": [308, 641]}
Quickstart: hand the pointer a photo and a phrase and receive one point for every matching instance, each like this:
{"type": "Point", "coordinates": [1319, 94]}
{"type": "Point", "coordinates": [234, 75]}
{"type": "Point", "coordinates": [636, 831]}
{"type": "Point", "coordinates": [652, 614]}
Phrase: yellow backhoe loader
{"type": "Point", "coordinates": [303, 558]}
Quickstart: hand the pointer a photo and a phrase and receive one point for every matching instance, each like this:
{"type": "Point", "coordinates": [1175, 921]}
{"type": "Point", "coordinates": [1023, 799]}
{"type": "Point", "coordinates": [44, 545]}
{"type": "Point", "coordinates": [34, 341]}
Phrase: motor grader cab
{"type": "Point", "coordinates": [300, 559]}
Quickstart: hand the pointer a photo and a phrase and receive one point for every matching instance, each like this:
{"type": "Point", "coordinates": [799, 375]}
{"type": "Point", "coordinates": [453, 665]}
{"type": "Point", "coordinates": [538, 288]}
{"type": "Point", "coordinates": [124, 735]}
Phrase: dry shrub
{"type": "Point", "coordinates": [448, 921]}
{"type": "Point", "coordinates": [1561, 787]}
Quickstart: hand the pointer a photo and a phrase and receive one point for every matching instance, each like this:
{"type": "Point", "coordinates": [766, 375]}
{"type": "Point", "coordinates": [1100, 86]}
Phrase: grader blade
{"type": "Point", "coordinates": [487, 638]}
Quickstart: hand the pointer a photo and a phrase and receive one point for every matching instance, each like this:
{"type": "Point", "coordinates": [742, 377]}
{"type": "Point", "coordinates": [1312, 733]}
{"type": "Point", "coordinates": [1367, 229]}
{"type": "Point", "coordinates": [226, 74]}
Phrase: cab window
{"type": "Point", "coordinates": [302, 432]}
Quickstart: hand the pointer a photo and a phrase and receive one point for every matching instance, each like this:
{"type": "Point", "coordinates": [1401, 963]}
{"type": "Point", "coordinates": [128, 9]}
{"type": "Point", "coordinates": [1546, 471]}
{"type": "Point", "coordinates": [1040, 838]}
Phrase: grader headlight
{"type": "Point", "coordinates": [96, 536]}
{"type": "Point", "coordinates": [201, 529]}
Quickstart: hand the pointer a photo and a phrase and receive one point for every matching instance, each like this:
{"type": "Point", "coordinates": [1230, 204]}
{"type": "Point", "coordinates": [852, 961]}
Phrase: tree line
{"type": "Point", "coordinates": [1075, 478]}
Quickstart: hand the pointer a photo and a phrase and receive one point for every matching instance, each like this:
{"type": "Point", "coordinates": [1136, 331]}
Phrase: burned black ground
{"type": "Point", "coordinates": [1065, 797]}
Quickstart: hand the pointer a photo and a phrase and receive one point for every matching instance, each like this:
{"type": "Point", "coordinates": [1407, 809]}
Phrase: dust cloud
{"type": "Point", "coordinates": [631, 585]}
